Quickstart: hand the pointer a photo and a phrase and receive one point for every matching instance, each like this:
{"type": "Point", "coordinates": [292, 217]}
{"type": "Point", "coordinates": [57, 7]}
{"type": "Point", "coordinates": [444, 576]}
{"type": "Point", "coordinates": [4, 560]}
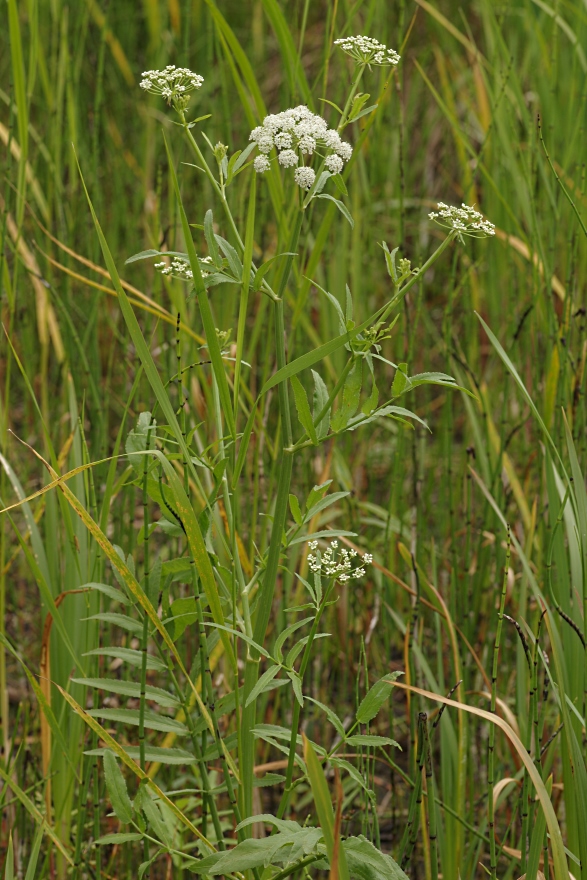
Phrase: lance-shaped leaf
{"type": "Point", "coordinates": [116, 785]}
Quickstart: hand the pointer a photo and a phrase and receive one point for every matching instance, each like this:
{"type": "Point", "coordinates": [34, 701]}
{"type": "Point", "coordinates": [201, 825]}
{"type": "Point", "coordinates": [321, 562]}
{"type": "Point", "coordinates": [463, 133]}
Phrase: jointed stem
{"type": "Point", "coordinates": [491, 744]}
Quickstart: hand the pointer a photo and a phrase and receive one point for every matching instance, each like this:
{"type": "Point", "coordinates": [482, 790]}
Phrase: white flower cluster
{"type": "Point", "coordinates": [367, 50]}
{"type": "Point", "coordinates": [298, 132]}
{"type": "Point", "coordinates": [173, 83]}
{"type": "Point", "coordinates": [466, 220]}
{"type": "Point", "coordinates": [180, 268]}
{"type": "Point", "coordinates": [331, 563]}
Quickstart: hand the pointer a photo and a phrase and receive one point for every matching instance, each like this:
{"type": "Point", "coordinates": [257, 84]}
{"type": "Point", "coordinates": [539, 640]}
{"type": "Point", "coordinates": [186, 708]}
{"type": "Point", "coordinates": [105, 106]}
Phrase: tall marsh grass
{"type": "Point", "coordinates": [293, 542]}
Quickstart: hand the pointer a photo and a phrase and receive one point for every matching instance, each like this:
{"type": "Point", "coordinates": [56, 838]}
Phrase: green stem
{"type": "Point", "coordinates": [347, 107]}
{"type": "Point", "coordinates": [341, 380]}
{"type": "Point", "coordinates": [491, 744]}
{"type": "Point", "coordinates": [267, 589]}
{"type": "Point", "coordinates": [288, 788]}
{"type": "Point", "coordinates": [431, 802]}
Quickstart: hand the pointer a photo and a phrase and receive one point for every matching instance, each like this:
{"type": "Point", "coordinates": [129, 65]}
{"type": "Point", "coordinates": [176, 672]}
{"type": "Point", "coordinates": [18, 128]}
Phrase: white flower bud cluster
{"type": "Point", "coordinates": [299, 132]}
{"type": "Point", "coordinates": [367, 50]}
{"type": "Point", "coordinates": [340, 565]}
{"type": "Point", "coordinates": [466, 220]}
{"type": "Point", "coordinates": [172, 83]}
{"type": "Point", "coordinates": [180, 268]}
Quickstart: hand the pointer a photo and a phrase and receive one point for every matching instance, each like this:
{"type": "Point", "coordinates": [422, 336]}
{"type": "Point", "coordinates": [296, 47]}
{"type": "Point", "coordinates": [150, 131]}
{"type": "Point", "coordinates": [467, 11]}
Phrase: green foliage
{"type": "Point", "coordinates": [155, 587]}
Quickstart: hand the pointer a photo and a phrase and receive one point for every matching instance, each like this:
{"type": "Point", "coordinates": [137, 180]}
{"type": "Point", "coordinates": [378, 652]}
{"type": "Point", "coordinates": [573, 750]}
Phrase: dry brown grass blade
{"type": "Point", "coordinates": [113, 42]}
{"type": "Point", "coordinates": [518, 245]}
{"type": "Point", "coordinates": [48, 328]}
{"type": "Point", "coordinates": [144, 303]}
{"type": "Point", "coordinates": [561, 871]}
{"type": "Point", "coordinates": [8, 138]}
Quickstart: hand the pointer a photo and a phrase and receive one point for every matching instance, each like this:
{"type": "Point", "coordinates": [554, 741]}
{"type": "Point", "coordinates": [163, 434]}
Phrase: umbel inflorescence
{"type": "Point", "coordinates": [344, 565]}
{"type": "Point", "coordinates": [173, 83]}
{"type": "Point", "coordinates": [466, 220]}
{"type": "Point", "coordinates": [297, 133]}
{"type": "Point", "coordinates": [367, 50]}
{"type": "Point", "coordinates": [180, 268]}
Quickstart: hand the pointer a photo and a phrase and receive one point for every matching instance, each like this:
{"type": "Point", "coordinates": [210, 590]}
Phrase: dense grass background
{"type": "Point", "coordinates": [459, 121]}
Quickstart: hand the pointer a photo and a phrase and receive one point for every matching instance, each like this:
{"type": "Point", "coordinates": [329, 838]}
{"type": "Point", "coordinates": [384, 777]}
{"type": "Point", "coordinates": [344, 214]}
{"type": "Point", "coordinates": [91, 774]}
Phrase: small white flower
{"type": "Point", "coordinates": [305, 177]}
{"type": "Point", "coordinates": [344, 150]}
{"type": "Point", "coordinates": [283, 140]}
{"type": "Point", "coordinates": [306, 144]}
{"type": "Point", "coordinates": [265, 143]}
{"type": "Point", "coordinates": [173, 83]}
{"type": "Point", "coordinates": [288, 158]}
{"type": "Point", "coordinates": [299, 131]}
{"type": "Point", "coordinates": [367, 50]}
{"type": "Point", "coordinates": [334, 163]}
{"type": "Point", "coordinates": [466, 220]}
{"type": "Point", "coordinates": [261, 164]}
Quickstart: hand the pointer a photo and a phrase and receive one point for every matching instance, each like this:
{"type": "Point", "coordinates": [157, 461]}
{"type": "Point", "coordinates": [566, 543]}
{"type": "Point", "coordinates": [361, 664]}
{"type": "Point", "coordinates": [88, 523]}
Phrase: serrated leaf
{"type": "Point", "coordinates": [342, 764]}
{"type": "Point", "coordinates": [317, 493]}
{"type": "Point", "coordinates": [297, 686]}
{"type": "Point", "coordinates": [117, 791]}
{"type": "Point", "coordinates": [111, 592]}
{"type": "Point", "coordinates": [390, 261]}
{"type": "Point", "coordinates": [128, 655]}
{"type": "Point", "coordinates": [267, 677]}
{"type": "Point", "coordinates": [211, 239]}
{"type": "Point", "coordinates": [130, 689]}
{"type": "Point", "coordinates": [152, 720]}
{"type": "Point", "coordinates": [294, 506]}
{"type": "Point", "coordinates": [128, 623]}
{"type": "Point", "coordinates": [369, 741]}
{"type": "Point", "coordinates": [236, 267]}
{"type": "Point", "coordinates": [142, 255]}
{"type": "Point", "coordinates": [331, 715]}
{"type": "Point", "coordinates": [341, 207]}
{"type": "Point", "coordinates": [325, 533]}
{"type": "Point", "coordinates": [266, 266]}
{"type": "Point", "coordinates": [350, 397]}
{"type": "Point", "coordinates": [371, 403]}
{"type": "Point", "coordinates": [398, 413]}
{"type": "Point", "coordinates": [286, 633]}
{"type": "Point", "coordinates": [368, 863]}
{"type": "Point", "coordinates": [375, 698]}
{"type": "Point", "coordinates": [183, 613]}
{"type": "Point", "coordinates": [243, 857]}
{"type": "Point", "coordinates": [152, 753]}
{"type": "Point", "coordinates": [359, 102]}
{"type": "Point", "coordinates": [323, 504]}
{"type": "Point", "coordinates": [152, 813]}
{"type": "Point", "coordinates": [141, 437]}
{"type": "Point", "coordinates": [364, 112]}
{"type": "Point", "coordinates": [115, 839]}
{"type": "Point", "coordinates": [321, 182]}
{"type": "Point", "coordinates": [303, 409]}
{"type": "Point", "coordinates": [242, 158]}
{"type": "Point", "coordinates": [319, 402]}
{"type": "Point", "coordinates": [144, 865]}
{"type": "Point", "coordinates": [400, 380]}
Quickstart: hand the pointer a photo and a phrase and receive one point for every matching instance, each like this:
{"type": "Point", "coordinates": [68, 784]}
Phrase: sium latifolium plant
{"type": "Point", "coordinates": [196, 487]}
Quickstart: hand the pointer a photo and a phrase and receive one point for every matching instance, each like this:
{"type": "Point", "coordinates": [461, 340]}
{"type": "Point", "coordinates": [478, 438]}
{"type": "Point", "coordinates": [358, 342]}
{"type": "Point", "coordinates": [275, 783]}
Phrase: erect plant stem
{"type": "Point", "coordinates": [267, 589]}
